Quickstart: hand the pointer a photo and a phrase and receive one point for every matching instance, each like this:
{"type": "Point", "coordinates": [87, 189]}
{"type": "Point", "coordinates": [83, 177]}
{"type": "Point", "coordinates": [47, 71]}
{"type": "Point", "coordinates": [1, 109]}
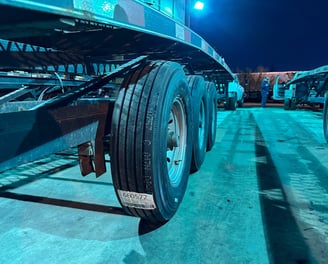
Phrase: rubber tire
{"type": "Point", "coordinates": [290, 104]}
{"type": "Point", "coordinates": [139, 140]}
{"type": "Point", "coordinates": [231, 104]}
{"type": "Point", "coordinates": [325, 117]}
{"type": "Point", "coordinates": [240, 103]}
{"type": "Point", "coordinates": [227, 104]}
{"type": "Point", "coordinates": [212, 114]}
{"type": "Point", "coordinates": [287, 104]}
{"type": "Point", "coordinates": [199, 121]}
{"type": "Point", "coordinates": [293, 104]}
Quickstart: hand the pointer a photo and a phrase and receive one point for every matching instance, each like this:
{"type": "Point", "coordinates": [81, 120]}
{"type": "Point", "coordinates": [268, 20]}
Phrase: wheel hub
{"type": "Point", "coordinates": [176, 141]}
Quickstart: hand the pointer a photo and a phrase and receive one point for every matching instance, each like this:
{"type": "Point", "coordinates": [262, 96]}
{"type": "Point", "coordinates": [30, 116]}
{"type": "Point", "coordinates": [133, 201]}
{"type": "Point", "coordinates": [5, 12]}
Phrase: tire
{"type": "Point", "coordinates": [293, 104]}
{"type": "Point", "coordinates": [199, 121]}
{"type": "Point", "coordinates": [227, 104]}
{"type": "Point", "coordinates": [240, 103]}
{"type": "Point", "coordinates": [212, 114]}
{"type": "Point", "coordinates": [151, 141]}
{"type": "Point", "coordinates": [325, 117]}
{"type": "Point", "coordinates": [233, 102]}
{"type": "Point", "coordinates": [287, 104]}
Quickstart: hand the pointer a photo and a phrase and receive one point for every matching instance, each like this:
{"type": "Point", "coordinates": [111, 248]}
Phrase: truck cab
{"type": "Point", "coordinates": [233, 96]}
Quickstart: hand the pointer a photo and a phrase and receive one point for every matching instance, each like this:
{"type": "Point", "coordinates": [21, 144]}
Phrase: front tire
{"type": "Point", "coordinates": [151, 141]}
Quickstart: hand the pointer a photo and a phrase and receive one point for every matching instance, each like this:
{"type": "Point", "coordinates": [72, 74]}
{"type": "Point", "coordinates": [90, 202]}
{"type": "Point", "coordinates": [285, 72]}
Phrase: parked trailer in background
{"type": "Point", "coordinates": [123, 78]}
{"type": "Point", "coordinates": [230, 94]}
{"type": "Point", "coordinates": [236, 94]}
{"type": "Point", "coordinates": [306, 87]}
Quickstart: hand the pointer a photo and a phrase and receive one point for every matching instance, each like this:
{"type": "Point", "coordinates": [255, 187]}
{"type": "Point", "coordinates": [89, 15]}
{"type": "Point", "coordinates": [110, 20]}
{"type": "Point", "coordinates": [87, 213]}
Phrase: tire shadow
{"type": "Point", "coordinates": [285, 242]}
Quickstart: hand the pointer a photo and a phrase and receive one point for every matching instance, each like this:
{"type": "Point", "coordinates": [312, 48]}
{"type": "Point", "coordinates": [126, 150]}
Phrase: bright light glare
{"type": "Point", "coordinates": [168, 10]}
{"type": "Point", "coordinates": [199, 5]}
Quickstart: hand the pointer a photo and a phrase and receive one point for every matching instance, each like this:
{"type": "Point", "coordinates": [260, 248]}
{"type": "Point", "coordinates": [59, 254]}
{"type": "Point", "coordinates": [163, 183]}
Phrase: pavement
{"type": "Point", "coordinates": [260, 197]}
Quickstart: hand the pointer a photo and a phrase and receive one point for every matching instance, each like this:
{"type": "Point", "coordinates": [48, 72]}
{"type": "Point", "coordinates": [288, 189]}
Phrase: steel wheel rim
{"type": "Point", "coordinates": [176, 141]}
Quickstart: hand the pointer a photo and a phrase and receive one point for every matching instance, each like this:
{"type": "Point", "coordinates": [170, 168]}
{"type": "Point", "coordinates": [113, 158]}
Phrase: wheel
{"type": "Point", "coordinates": [240, 103]}
{"type": "Point", "coordinates": [199, 122]}
{"type": "Point", "coordinates": [293, 103]}
{"type": "Point", "coordinates": [287, 104]}
{"type": "Point", "coordinates": [151, 140]}
{"type": "Point", "coordinates": [212, 114]}
{"type": "Point", "coordinates": [325, 117]}
{"type": "Point", "coordinates": [233, 102]}
{"type": "Point", "coordinates": [227, 104]}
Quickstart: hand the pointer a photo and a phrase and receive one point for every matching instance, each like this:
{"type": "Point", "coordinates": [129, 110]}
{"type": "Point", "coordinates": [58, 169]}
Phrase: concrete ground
{"type": "Point", "coordinates": [260, 197]}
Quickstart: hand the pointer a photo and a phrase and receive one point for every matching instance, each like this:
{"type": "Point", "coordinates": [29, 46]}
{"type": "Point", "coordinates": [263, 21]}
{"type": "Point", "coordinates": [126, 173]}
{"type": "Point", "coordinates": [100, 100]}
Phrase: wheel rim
{"type": "Point", "coordinates": [176, 141]}
{"type": "Point", "coordinates": [201, 125]}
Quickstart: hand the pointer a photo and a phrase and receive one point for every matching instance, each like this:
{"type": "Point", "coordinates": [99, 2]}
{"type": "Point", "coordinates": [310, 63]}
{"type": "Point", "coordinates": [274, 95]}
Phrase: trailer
{"type": "Point", "coordinates": [230, 94]}
{"type": "Point", "coordinates": [236, 95]}
{"type": "Point", "coordinates": [124, 81]}
{"type": "Point", "coordinates": [306, 87]}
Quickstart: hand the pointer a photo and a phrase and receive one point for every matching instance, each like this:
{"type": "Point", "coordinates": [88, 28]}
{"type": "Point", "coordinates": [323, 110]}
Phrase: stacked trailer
{"type": "Point", "coordinates": [306, 87]}
{"type": "Point", "coordinates": [114, 77]}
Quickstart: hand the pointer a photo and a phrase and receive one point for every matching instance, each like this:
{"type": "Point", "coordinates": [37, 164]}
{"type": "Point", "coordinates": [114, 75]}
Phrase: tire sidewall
{"type": "Point", "coordinates": [198, 97]}
{"type": "Point", "coordinates": [212, 114]}
{"type": "Point", "coordinates": [163, 95]}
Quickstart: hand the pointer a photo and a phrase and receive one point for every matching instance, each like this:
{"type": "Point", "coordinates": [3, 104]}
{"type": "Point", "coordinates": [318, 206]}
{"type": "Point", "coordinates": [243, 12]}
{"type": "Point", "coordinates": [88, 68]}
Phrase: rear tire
{"type": "Point", "coordinates": [293, 104]}
{"type": "Point", "coordinates": [212, 114]}
{"type": "Point", "coordinates": [151, 141]}
{"type": "Point", "coordinates": [287, 102]}
{"type": "Point", "coordinates": [199, 122]}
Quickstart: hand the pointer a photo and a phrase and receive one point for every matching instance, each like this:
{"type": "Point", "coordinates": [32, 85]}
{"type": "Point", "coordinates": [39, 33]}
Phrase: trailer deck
{"type": "Point", "coordinates": [112, 77]}
{"type": "Point", "coordinates": [89, 31]}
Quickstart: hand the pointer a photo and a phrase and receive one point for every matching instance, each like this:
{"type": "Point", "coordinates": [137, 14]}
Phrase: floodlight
{"type": "Point", "coordinates": [199, 5]}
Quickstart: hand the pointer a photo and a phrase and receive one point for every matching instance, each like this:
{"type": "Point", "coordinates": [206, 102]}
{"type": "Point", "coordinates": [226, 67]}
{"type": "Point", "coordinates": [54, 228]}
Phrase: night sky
{"type": "Point", "coordinates": [279, 35]}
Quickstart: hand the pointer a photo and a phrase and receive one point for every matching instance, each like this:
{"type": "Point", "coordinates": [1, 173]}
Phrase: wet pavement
{"type": "Point", "coordinates": [261, 196]}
